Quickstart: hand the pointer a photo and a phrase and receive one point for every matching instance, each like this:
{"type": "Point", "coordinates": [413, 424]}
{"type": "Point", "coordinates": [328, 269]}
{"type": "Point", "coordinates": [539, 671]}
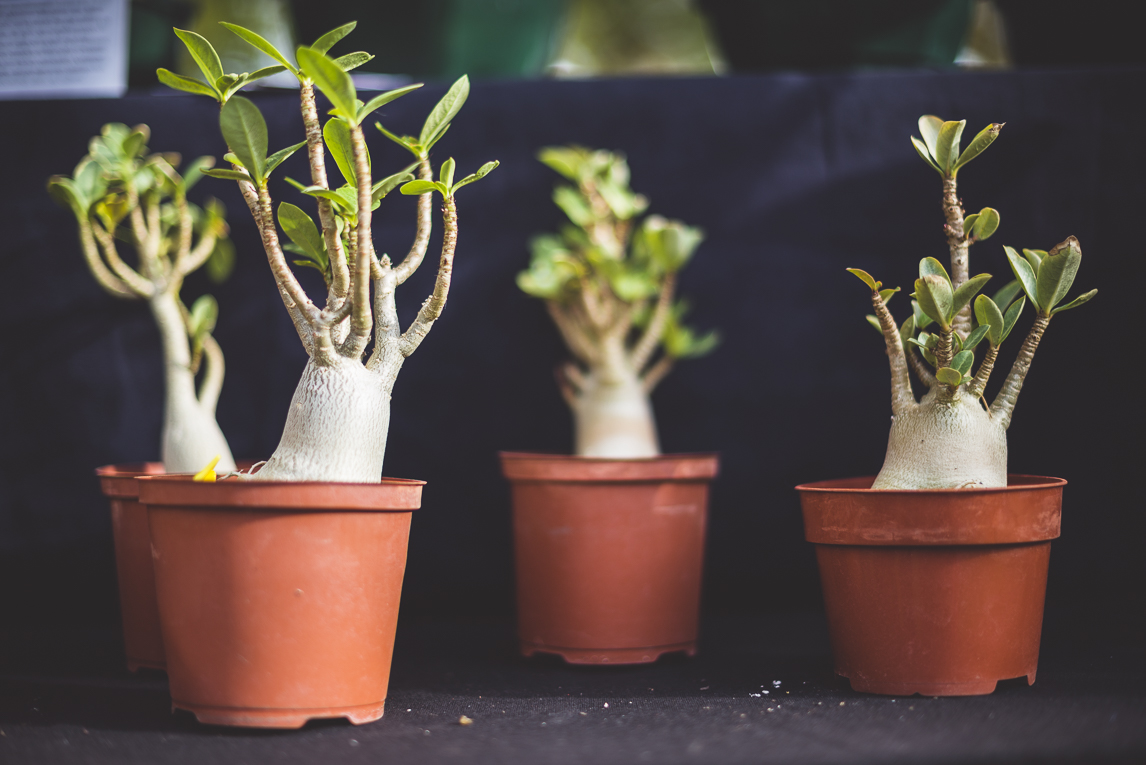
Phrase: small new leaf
{"type": "Point", "coordinates": [932, 267]}
{"type": "Point", "coordinates": [331, 80]}
{"type": "Point", "coordinates": [866, 278]}
{"type": "Point", "coordinates": [245, 132]}
{"type": "Point", "coordinates": [384, 98]}
{"type": "Point", "coordinates": [1084, 298]}
{"type": "Point", "coordinates": [280, 156]}
{"type": "Point", "coordinates": [988, 315]}
{"type": "Point", "coordinates": [921, 149]}
{"type": "Point", "coordinates": [967, 290]}
{"type": "Point", "coordinates": [947, 145]}
{"type": "Point", "coordinates": [444, 111]}
{"type": "Point", "coordinates": [259, 42]}
{"type": "Point", "coordinates": [327, 41]}
{"type": "Point", "coordinates": [414, 188]}
{"type": "Point", "coordinates": [186, 84]}
{"type": "Point", "coordinates": [979, 143]}
{"type": "Point", "coordinates": [203, 53]}
{"type": "Point", "coordinates": [976, 336]}
{"type": "Point", "coordinates": [929, 127]}
{"type": "Point", "coordinates": [949, 376]}
{"type": "Point", "coordinates": [1057, 272]}
{"type": "Point", "coordinates": [985, 224]}
{"type": "Point", "coordinates": [1024, 273]}
{"type": "Point", "coordinates": [482, 172]}
{"type": "Point", "coordinates": [353, 60]}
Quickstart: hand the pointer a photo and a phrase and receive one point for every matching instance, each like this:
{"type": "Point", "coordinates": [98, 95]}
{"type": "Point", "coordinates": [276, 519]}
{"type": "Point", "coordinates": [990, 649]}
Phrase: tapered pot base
{"type": "Point", "coordinates": [287, 719]}
{"type": "Point", "coordinates": [975, 688]}
{"type": "Point", "coordinates": [610, 655]}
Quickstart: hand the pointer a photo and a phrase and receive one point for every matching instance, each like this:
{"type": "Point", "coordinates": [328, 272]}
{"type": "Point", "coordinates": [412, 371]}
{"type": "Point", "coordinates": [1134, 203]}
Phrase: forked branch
{"type": "Point", "coordinates": [647, 345]}
{"type": "Point", "coordinates": [432, 308]}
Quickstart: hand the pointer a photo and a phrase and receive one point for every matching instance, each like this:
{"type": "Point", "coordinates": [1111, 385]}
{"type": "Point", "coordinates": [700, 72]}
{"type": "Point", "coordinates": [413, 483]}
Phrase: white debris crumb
{"type": "Point", "coordinates": [584, 714]}
{"type": "Point", "coordinates": [463, 720]}
{"type": "Point", "coordinates": [606, 705]}
{"type": "Point", "coordinates": [354, 742]}
{"type": "Point", "coordinates": [775, 683]}
{"type": "Point", "coordinates": [842, 703]}
{"type": "Point", "coordinates": [754, 695]}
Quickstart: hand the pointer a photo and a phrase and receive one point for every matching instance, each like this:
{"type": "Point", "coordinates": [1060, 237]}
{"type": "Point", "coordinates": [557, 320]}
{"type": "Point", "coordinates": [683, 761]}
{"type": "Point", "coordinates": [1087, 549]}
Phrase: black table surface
{"type": "Point", "coordinates": [761, 690]}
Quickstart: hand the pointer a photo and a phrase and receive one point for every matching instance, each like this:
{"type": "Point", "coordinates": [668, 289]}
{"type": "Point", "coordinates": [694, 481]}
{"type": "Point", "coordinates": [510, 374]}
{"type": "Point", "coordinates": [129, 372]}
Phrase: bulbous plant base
{"type": "Point", "coordinates": [935, 592]}
{"type": "Point", "coordinates": [609, 554]}
{"type": "Point", "coordinates": [279, 600]}
{"type": "Point", "coordinates": [142, 640]}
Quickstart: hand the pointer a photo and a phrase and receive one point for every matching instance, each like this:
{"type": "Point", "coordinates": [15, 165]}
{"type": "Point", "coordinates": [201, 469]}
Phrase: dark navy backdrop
{"type": "Point", "coordinates": [793, 177]}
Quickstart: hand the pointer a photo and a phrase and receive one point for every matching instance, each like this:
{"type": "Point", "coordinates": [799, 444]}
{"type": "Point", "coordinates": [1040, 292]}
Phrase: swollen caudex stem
{"type": "Point", "coordinates": [609, 282]}
{"type": "Point", "coordinates": [339, 417]}
{"type": "Point", "coordinates": [119, 193]}
{"type": "Point", "coordinates": [951, 439]}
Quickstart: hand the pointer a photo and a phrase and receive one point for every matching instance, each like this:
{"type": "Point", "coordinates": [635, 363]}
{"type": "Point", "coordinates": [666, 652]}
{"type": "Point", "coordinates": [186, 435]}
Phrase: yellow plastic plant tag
{"type": "Point", "coordinates": [207, 473]}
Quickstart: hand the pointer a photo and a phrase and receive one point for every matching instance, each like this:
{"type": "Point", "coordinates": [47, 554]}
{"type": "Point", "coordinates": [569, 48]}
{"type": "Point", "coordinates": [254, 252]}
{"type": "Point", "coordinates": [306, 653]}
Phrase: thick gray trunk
{"type": "Point", "coordinates": [613, 417]}
{"type": "Point", "coordinates": [336, 427]}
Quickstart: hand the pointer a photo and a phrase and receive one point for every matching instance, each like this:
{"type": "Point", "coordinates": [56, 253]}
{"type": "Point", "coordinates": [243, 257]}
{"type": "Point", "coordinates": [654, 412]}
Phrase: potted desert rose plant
{"type": "Point", "coordinates": [120, 193]}
{"type": "Point", "coordinates": [934, 574]}
{"type": "Point", "coordinates": [609, 543]}
{"type": "Point", "coordinates": [279, 589]}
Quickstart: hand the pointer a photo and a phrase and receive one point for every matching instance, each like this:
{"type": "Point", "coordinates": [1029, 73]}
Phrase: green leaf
{"type": "Point", "coordinates": [932, 267]}
{"type": "Point", "coordinates": [311, 264]}
{"type": "Point", "coordinates": [907, 330]}
{"type": "Point", "coordinates": [921, 318]}
{"type": "Point", "coordinates": [1076, 302]}
{"type": "Point", "coordinates": [1035, 258]}
{"type": "Point", "coordinates": [228, 175]}
{"type": "Point", "coordinates": [300, 186]}
{"type": "Point", "coordinates": [977, 335]}
{"type": "Point", "coordinates": [967, 290]}
{"type": "Point", "coordinates": [947, 145]}
{"type": "Point", "coordinates": [1006, 295]}
{"type": "Point", "coordinates": [1012, 316]}
{"type": "Point", "coordinates": [260, 43]}
{"type": "Point", "coordinates": [1057, 272]}
{"type": "Point", "coordinates": [221, 261]}
{"type": "Point", "coordinates": [885, 295]}
{"type": "Point", "coordinates": [297, 225]}
{"type": "Point", "coordinates": [573, 204]}
{"type": "Point", "coordinates": [446, 173]}
{"type": "Point", "coordinates": [353, 60]}
{"type": "Point", "coordinates": [988, 315]}
{"type": "Point", "coordinates": [986, 223]}
{"type": "Point", "coordinates": [327, 41]}
{"type": "Point", "coordinates": [980, 142]}
{"type": "Point", "coordinates": [204, 314]}
{"type": "Point", "coordinates": [921, 149]}
{"type": "Point", "coordinates": [194, 171]}
{"type": "Point", "coordinates": [1024, 273]}
{"type": "Point", "coordinates": [443, 112]}
{"type": "Point", "coordinates": [331, 80]}
{"type": "Point", "coordinates": [391, 182]}
{"type": "Point", "coordinates": [336, 134]}
{"type": "Point", "coordinates": [266, 71]}
{"type": "Point", "coordinates": [482, 172]}
{"type": "Point", "coordinates": [64, 192]}
{"type": "Point", "coordinates": [204, 55]}
{"type": "Point", "coordinates": [414, 188]}
{"type": "Point", "coordinates": [929, 127]}
{"type": "Point", "coordinates": [862, 275]}
{"type": "Point", "coordinates": [280, 156]}
{"type": "Point", "coordinates": [872, 320]}
{"type": "Point", "coordinates": [186, 84]}
{"type": "Point", "coordinates": [949, 376]}
{"type": "Point", "coordinates": [935, 298]}
{"type": "Point", "coordinates": [384, 98]}
{"type": "Point", "coordinates": [969, 222]}
{"type": "Point", "coordinates": [245, 132]}
{"type": "Point", "coordinates": [962, 362]}
{"type": "Point", "coordinates": [567, 161]}
{"type": "Point", "coordinates": [343, 202]}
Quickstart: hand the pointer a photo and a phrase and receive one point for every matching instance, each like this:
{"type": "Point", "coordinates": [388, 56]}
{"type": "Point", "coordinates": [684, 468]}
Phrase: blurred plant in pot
{"type": "Point", "coordinates": [609, 282]}
{"type": "Point", "coordinates": [120, 193]}
{"type": "Point", "coordinates": [951, 438]}
{"type": "Point", "coordinates": [339, 418]}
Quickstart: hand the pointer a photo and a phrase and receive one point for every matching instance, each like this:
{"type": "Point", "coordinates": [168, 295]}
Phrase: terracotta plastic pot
{"type": "Point", "coordinates": [142, 640]}
{"type": "Point", "coordinates": [609, 554]}
{"type": "Point", "coordinates": [279, 601]}
{"type": "Point", "coordinates": [936, 592]}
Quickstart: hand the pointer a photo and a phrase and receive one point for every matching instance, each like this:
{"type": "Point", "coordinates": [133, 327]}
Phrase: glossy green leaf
{"type": "Point", "coordinates": [566, 160]}
{"type": "Point", "coordinates": [1024, 273]}
{"type": "Point", "coordinates": [976, 335]}
{"type": "Point", "coordinates": [63, 191]}
{"type": "Point", "coordinates": [204, 55]}
{"type": "Point", "coordinates": [384, 98]}
{"type": "Point", "coordinates": [446, 173]}
{"type": "Point", "coordinates": [962, 362]}
{"type": "Point", "coordinates": [872, 320]}
{"type": "Point", "coordinates": [259, 42]}
{"type": "Point", "coordinates": [921, 318]}
{"type": "Point", "coordinates": [1006, 295]}
{"type": "Point", "coordinates": [907, 329]}
{"type": "Point", "coordinates": [406, 142]}
{"type": "Point", "coordinates": [300, 186]}
{"type": "Point", "coordinates": [862, 275]}
{"type": "Point", "coordinates": [482, 172]}
{"type": "Point", "coordinates": [280, 156]}
{"type": "Point", "coordinates": [947, 144]}
{"type": "Point", "coordinates": [949, 376]}
{"type": "Point", "coordinates": [245, 132]}
{"type": "Point", "coordinates": [342, 202]}
{"type": "Point", "coordinates": [1084, 298]}
{"type": "Point", "coordinates": [443, 112]}
{"type": "Point", "coordinates": [929, 127]}
{"type": "Point", "coordinates": [301, 230]}
{"type": "Point", "coordinates": [935, 298]}
{"type": "Point", "coordinates": [1012, 316]}
{"type": "Point", "coordinates": [1057, 272]}
{"type": "Point", "coordinates": [921, 149]}
{"type": "Point", "coordinates": [980, 142]}
{"type": "Point", "coordinates": [416, 187]}
{"type": "Point", "coordinates": [229, 175]}
{"type": "Point", "coordinates": [885, 295]}
{"type": "Point", "coordinates": [966, 291]}
{"type": "Point", "coordinates": [1035, 258]}
{"type": "Point", "coordinates": [353, 60]}
{"type": "Point", "coordinates": [986, 223]}
{"type": "Point", "coordinates": [383, 187]}
{"type": "Point", "coordinates": [988, 314]}
{"type": "Point", "coordinates": [932, 267]}
{"type": "Point", "coordinates": [327, 41]}
{"type": "Point", "coordinates": [266, 71]}
{"type": "Point", "coordinates": [186, 84]}
{"type": "Point", "coordinates": [331, 80]}
{"type": "Point", "coordinates": [969, 222]}
{"type": "Point", "coordinates": [336, 134]}
{"type": "Point", "coordinates": [203, 315]}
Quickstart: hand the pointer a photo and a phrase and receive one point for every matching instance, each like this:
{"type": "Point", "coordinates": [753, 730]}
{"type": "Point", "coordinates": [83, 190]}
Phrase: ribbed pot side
{"type": "Point", "coordinates": [279, 600]}
{"type": "Point", "coordinates": [609, 554]}
{"type": "Point", "coordinates": [935, 592]}
{"type": "Point", "coordinates": [142, 640]}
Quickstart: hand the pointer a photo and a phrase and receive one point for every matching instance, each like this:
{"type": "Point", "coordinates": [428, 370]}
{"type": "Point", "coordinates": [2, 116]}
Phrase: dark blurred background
{"type": "Point", "coordinates": [781, 128]}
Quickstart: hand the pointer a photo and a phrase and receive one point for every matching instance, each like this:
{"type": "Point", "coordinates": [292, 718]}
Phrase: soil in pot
{"type": "Point", "coordinates": [609, 554]}
{"type": "Point", "coordinates": [279, 601]}
{"type": "Point", "coordinates": [936, 592]}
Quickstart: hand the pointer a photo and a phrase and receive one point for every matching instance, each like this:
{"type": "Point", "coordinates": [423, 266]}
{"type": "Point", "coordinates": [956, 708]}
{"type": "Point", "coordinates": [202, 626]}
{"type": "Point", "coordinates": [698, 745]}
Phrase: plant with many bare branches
{"type": "Point", "coordinates": [951, 438]}
{"type": "Point", "coordinates": [339, 417]}
{"type": "Point", "coordinates": [609, 283]}
{"type": "Point", "coordinates": [121, 193]}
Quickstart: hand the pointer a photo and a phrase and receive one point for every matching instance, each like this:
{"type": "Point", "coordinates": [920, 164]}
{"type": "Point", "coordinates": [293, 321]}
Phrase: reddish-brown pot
{"type": "Point", "coordinates": [609, 554]}
{"type": "Point", "coordinates": [936, 592]}
{"type": "Point", "coordinates": [142, 640]}
{"type": "Point", "coordinates": [279, 601]}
